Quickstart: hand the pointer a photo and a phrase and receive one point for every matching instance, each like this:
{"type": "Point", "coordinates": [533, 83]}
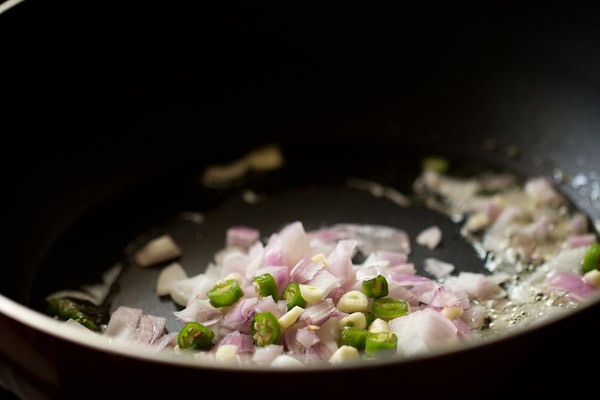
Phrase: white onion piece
{"type": "Point", "coordinates": [430, 237]}
{"type": "Point", "coordinates": [542, 191]}
{"type": "Point", "coordinates": [199, 310]}
{"type": "Point", "coordinates": [150, 328]}
{"type": "Point", "coordinates": [305, 270]}
{"type": "Point", "coordinates": [307, 337]}
{"type": "Point", "coordinates": [182, 291]}
{"type": "Point", "coordinates": [438, 268]}
{"type": "Point", "coordinates": [294, 243]}
{"type": "Point", "coordinates": [375, 237]}
{"type": "Point", "coordinates": [325, 281]}
{"type": "Point", "coordinates": [95, 294]}
{"type": "Point", "coordinates": [422, 331]}
{"type": "Point", "coordinates": [392, 257]}
{"type": "Point", "coordinates": [160, 249]}
{"type": "Point", "coordinates": [285, 361]}
{"type": "Point", "coordinates": [339, 262]}
{"type": "Point", "coordinates": [264, 356]}
{"type": "Point", "coordinates": [476, 286]}
{"type": "Point", "coordinates": [168, 276]}
{"type": "Point", "coordinates": [168, 341]}
{"type": "Point", "coordinates": [123, 323]}
{"type": "Point", "coordinates": [267, 304]}
{"type": "Point", "coordinates": [368, 272]}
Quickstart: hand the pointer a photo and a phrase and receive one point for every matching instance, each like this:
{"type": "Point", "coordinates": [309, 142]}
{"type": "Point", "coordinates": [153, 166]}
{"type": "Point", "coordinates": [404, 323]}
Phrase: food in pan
{"type": "Point", "coordinates": [349, 292]}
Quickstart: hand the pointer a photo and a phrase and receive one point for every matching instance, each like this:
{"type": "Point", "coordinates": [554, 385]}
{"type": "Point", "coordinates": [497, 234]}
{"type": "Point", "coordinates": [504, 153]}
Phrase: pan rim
{"type": "Point", "coordinates": [50, 326]}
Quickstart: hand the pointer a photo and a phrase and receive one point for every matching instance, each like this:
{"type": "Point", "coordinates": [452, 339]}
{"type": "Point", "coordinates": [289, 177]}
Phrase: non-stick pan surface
{"type": "Point", "coordinates": [365, 96]}
{"type": "Point", "coordinates": [316, 187]}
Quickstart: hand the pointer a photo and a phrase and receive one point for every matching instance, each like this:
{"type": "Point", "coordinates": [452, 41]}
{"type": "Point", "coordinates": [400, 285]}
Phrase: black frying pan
{"type": "Point", "coordinates": [365, 96]}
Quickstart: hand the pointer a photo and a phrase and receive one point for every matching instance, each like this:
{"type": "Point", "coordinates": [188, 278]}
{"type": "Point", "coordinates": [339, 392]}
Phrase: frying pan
{"type": "Point", "coordinates": [124, 109]}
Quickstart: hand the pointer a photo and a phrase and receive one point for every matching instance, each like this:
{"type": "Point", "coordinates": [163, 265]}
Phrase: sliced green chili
{"type": "Point", "coordinates": [68, 309]}
{"type": "Point", "coordinates": [387, 308]}
{"type": "Point", "coordinates": [381, 344]}
{"type": "Point", "coordinates": [265, 329]}
{"type": "Point", "coordinates": [291, 294]}
{"type": "Point", "coordinates": [225, 293]}
{"type": "Point", "coordinates": [375, 288]}
{"type": "Point", "coordinates": [353, 337]}
{"type": "Point", "coordinates": [266, 286]}
{"type": "Point", "coordinates": [370, 317]}
{"type": "Point", "coordinates": [195, 336]}
{"type": "Point", "coordinates": [591, 259]}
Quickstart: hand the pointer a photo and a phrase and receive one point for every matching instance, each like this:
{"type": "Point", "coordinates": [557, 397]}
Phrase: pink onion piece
{"type": "Point", "coordinates": [320, 312]}
{"type": "Point", "coordinates": [123, 323]}
{"type": "Point", "coordinates": [307, 337]}
{"type": "Point", "coordinates": [242, 341]}
{"type": "Point", "coordinates": [409, 279]}
{"type": "Point", "coordinates": [239, 315]}
{"type": "Point", "coordinates": [339, 262]}
{"type": "Point", "coordinates": [150, 328]}
{"type": "Point", "coordinates": [324, 235]}
{"type": "Point", "coordinates": [580, 240]}
{"type": "Point", "coordinates": [375, 237]}
{"type": "Point", "coordinates": [325, 281]}
{"type": "Point", "coordinates": [267, 304]}
{"type": "Point", "coordinates": [392, 257]}
{"type": "Point", "coordinates": [572, 283]}
{"type": "Point", "coordinates": [167, 341]}
{"type": "Point", "coordinates": [235, 262]}
{"type": "Point", "coordinates": [294, 243]}
{"type": "Point", "coordinates": [274, 251]}
{"type": "Point", "coordinates": [463, 330]}
{"type": "Point", "coordinates": [305, 270]}
{"type": "Point", "coordinates": [241, 236]}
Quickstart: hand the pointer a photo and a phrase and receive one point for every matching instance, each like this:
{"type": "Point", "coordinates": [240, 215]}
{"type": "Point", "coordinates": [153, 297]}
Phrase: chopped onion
{"type": "Point", "coordinates": [168, 276]}
{"type": "Point", "coordinates": [430, 237]}
{"type": "Point", "coordinates": [241, 236]}
{"type": "Point", "coordinates": [160, 249]}
{"type": "Point", "coordinates": [438, 268]}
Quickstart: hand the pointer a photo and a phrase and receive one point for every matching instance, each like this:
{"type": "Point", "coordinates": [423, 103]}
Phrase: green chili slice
{"type": "Point", "coordinates": [591, 259]}
{"type": "Point", "coordinates": [291, 294]}
{"type": "Point", "coordinates": [387, 308]}
{"type": "Point", "coordinates": [370, 317]}
{"type": "Point", "coordinates": [375, 288]}
{"type": "Point", "coordinates": [266, 286]}
{"type": "Point", "coordinates": [353, 337]}
{"type": "Point", "coordinates": [68, 309]}
{"type": "Point", "coordinates": [225, 293]}
{"type": "Point", "coordinates": [265, 329]}
{"type": "Point", "coordinates": [195, 336]}
{"type": "Point", "coordinates": [381, 344]}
